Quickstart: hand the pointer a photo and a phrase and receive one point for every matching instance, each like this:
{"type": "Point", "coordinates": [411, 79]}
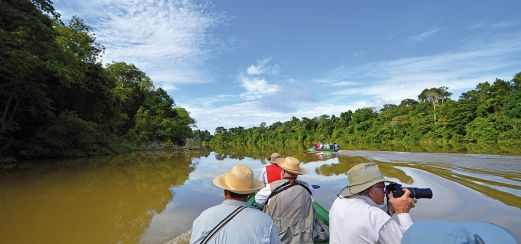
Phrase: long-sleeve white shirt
{"type": "Point", "coordinates": [358, 219]}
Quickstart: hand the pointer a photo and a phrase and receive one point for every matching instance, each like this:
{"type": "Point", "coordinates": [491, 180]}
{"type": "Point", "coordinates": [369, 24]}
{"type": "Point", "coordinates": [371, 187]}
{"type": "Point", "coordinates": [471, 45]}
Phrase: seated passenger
{"type": "Point", "coordinates": [356, 215]}
{"type": "Point", "coordinates": [273, 171]}
{"type": "Point", "coordinates": [289, 203]}
{"type": "Point", "coordinates": [234, 221]}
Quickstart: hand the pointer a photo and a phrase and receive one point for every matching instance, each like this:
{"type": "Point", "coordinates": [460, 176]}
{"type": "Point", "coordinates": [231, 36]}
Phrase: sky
{"type": "Point", "coordinates": [237, 63]}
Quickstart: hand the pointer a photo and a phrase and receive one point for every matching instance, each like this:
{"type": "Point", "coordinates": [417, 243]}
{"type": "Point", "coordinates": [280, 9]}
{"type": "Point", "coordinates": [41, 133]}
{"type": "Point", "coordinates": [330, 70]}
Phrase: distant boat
{"type": "Point", "coordinates": [314, 150]}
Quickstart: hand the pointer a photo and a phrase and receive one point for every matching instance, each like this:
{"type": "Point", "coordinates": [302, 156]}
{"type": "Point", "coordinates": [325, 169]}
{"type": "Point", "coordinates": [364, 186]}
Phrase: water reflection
{"type": "Point", "coordinates": [464, 175]}
{"type": "Point", "coordinates": [154, 197]}
{"type": "Point", "coordinates": [101, 200]}
{"type": "Point", "coordinates": [468, 148]}
{"type": "Point", "coordinates": [261, 153]}
{"type": "Point", "coordinates": [466, 187]}
{"type": "Point", "coordinates": [345, 163]}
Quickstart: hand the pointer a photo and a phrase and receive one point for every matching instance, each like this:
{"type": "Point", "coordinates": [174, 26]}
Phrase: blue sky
{"type": "Point", "coordinates": [239, 63]}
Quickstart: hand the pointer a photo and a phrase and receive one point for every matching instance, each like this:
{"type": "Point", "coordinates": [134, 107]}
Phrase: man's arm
{"type": "Point", "coordinates": [392, 231]}
{"type": "Point", "coordinates": [263, 177]}
{"type": "Point", "coordinates": [263, 195]}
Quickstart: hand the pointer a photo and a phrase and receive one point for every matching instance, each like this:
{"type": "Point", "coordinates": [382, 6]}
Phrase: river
{"type": "Point", "coordinates": [154, 197]}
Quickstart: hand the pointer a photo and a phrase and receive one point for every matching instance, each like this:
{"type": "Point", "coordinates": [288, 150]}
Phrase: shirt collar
{"type": "Point", "coordinates": [235, 202]}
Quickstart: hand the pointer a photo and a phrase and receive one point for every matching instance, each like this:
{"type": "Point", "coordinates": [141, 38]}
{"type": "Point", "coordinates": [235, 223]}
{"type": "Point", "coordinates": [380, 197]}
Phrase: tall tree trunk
{"type": "Point", "coordinates": [434, 112]}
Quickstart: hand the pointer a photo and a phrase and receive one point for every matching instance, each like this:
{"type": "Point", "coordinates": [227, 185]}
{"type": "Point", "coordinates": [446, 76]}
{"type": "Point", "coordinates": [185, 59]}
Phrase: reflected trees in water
{"type": "Point", "coordinates": [345, 163]}
{"type": "Point", "coordinates": [127, 190]}
{"type": "Point", "coordinates": [488, 187]}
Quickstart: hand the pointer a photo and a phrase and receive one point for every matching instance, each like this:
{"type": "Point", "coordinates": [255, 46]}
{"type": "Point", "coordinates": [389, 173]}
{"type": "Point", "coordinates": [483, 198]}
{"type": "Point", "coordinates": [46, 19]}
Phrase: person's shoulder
{"type": "Point", "coordinates": [257, 215]}
{"type": "Point", "coordinates": [303, 182]}
{"type": "Point", "coordinates": [378, 212]}
{"type": "Point", "coordinates": [351, 201]}
{"type": "Point", "coordinates": [213, 209]}
{"type": "Point", "coordinates": [340, 201]}
{"type": "Point", "coordinates": [276, 183]}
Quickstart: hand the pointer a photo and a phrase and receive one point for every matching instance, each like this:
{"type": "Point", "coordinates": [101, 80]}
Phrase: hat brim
{"type": "Point", "coordinates": [352, 190]}
{"type": "Point", "coordinates": [301, 171]}
{"type": "Point", "coordinates": [220, 181]}
{"type": "Point", "coordinates": [277, 161]}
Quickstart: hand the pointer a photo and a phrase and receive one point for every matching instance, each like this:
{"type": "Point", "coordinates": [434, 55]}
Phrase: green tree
{"type": "Point", "coordinates": [434, 96]}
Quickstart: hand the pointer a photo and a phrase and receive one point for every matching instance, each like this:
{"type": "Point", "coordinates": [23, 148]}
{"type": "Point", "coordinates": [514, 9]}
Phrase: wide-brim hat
{"type": "Point", "coordinates": [274, 156]}
{"type": "Point", "coordinates": [361, 177]}
{"type": "Point", "coordinates": [435, 231]}
{"type": "Point", "coordinates": [239, 180]}
{"type": "Point", "coordinates": [292, 165]}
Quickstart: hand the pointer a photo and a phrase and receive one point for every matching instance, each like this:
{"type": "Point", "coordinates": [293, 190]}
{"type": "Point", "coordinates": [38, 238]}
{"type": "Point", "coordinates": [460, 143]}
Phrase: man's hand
{"type": "Point", "coordinates": [402, 204]}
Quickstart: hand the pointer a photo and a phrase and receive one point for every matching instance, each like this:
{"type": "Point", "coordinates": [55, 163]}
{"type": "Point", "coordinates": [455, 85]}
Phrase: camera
{"type": "Point", "coordinates": [397, 191]}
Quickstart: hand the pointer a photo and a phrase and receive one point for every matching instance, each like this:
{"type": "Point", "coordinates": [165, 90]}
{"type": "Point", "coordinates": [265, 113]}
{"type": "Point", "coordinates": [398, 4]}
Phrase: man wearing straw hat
{"type": "Point", "coordinates": [234, 221]}
{"type": "Point", "coordinates": [356, 216]}
{"type": "Point", "coordinates": [273, 171]}
{"type": "Point", "coordinates": [289, 203]}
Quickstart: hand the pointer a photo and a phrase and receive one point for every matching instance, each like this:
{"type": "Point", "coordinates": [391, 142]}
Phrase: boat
{"type": "Point", "coordinates": [321, 213]}
{"type": "Point", "coordinates": [314, 150]}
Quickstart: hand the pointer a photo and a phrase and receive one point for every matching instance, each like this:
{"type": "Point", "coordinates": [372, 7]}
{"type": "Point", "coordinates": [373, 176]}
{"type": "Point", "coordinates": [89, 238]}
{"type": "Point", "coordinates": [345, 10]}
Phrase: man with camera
{"type": "Point", "coordinates": [357, 215]}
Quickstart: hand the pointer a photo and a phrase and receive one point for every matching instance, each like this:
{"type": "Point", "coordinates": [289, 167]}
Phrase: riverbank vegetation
{"type": "Point", "coordinates": [488, 115]}
{"type": "Point", "coordinates": [58, 100]}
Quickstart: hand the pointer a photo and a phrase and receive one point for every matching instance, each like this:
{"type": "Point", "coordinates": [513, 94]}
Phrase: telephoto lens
{"type": "Point", "coordinates": [397, 191]}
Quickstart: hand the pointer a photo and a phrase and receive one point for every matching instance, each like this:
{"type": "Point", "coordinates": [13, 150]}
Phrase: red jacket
{"type": "Point", "coordinates": [273, 172]}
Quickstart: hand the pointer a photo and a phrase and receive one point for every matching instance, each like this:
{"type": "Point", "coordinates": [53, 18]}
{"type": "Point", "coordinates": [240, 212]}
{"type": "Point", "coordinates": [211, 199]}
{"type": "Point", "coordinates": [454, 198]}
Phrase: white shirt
{"type": "Point", "coordinates": [265, 192]}
{"type": "Point", "coordinates": [263, 176]}
{"type": "Point", "coordinates": [248, 226]}
{"type": "Point", "coordinates": [358, 219]}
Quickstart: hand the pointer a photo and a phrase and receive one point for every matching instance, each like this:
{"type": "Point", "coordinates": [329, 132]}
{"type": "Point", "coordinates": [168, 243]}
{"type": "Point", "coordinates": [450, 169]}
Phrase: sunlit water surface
{"type": "Point", "coordinates": [154, 197]}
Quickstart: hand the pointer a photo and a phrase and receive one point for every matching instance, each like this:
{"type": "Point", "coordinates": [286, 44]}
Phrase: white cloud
{"type": "Point", "coordinates": [252, 113]}
{"type": "Point", "coordinates": [369, 85]}
{"type": "Point", "coordinates": [169, 40]}
{"type": "Point", "coordinates": [253, 70]}
{"type": "Point", "coordinates": [211, 101]}
{"type": "Point", "coordinates": [394, 80]}
{"type": "Point", "coordinates": [423, 36]}
{"type": "Point", "coordinates": [256, 88]}
{"type": "Point", "coordinates": [262, 67]}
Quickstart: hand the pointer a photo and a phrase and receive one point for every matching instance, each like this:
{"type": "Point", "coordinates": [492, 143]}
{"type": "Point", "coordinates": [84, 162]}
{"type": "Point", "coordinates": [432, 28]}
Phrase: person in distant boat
{"type": "Point", "coordinates": [336, 147]}
{"type": "Point", "coordinates": [234, 221]}
{"type": "Point", "coordinates": [289, 202]}
{"type": "Point", "coordinates": [273, 171]}
{"type": "Point", "coordinates": [356, 216]}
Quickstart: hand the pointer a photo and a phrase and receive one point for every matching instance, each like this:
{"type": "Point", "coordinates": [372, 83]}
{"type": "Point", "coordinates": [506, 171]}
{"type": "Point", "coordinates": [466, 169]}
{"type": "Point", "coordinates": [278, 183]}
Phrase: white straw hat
{"type": "Point", "coordinates": [274, 156]}
{"type": "Point", "coordinates": [239, 180]}
{"type": "Point", "coordinates": [361, 177]}
{"type": "Point", "coordinates": [292, 165]}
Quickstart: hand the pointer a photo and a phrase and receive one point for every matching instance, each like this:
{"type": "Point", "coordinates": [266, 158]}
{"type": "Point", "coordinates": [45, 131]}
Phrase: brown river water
{"type": "Point", "coordinates": [154, 197]}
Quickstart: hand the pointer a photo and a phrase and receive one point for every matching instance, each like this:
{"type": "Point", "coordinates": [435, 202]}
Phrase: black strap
{"type": "Point", "coordinates": [286, 186]}
{"type": "Point", "coordinates": [221, 224]}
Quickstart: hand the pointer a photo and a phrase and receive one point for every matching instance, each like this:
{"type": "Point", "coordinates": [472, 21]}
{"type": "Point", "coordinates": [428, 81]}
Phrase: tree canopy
{"type": "Point", "coordinates": [58, 100]}
{"type": "Point", "coordinates": [488, 114]}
